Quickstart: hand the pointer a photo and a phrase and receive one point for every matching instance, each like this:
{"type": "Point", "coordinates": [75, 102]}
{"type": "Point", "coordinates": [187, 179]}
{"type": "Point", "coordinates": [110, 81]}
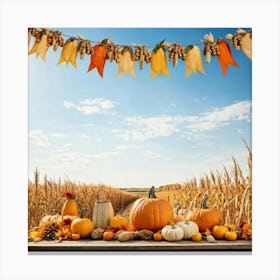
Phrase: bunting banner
{"type": "Point", "coordinates": [126, 56]}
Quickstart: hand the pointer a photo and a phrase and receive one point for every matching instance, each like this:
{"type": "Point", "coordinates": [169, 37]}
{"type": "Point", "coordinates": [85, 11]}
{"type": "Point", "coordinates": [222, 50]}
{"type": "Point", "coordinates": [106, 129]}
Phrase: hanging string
{"type": "Point", "coordinates": [125, 56]}
{"type": "Point", "coordinates": [78, 38]}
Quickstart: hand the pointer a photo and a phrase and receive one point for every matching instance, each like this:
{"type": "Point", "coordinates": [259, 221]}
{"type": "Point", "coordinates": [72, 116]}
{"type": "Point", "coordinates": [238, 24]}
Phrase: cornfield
{"type": "Point", "coordinates": [229, 190]}
{"type": "Point", "coordinates": [46, 198]}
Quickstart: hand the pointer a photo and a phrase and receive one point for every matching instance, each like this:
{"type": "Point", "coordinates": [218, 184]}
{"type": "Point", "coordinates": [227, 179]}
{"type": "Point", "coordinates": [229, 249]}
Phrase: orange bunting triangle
{"type": "Point", "coordinates": [98, 59]}
{"type": "Point", "coordinates": [225, 58]}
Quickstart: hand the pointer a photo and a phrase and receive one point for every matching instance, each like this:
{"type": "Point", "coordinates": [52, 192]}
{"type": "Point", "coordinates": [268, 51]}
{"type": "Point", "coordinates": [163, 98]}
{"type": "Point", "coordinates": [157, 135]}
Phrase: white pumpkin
{"type": "Point", "coordinates": [172, 232]}
{"type": "Point", "coordinates": [189, 228]}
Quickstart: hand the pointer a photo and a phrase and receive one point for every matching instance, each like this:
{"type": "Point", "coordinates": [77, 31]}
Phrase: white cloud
{"type": "Point", "coordinates": [88, 124]}
{"type": "Point", "coordinates": [38, 138]}
{"type": "Point", "coordinates": [128, 147]}
{"type": "Point", "coordinates": [64, 158]}
{"type": "Point", "coordinates": [59, 135]}
{"type": "Point", "coordinates": [103, 155]}
{"type": "Point", "coordinates": [140, 128]}
{"type": "Point", "coordinates": [68, 145]}
{"type": "Point", "coordinates": [146, 128]}
{"type": "Point", "coordinates": [92, 106]}
{"type": "Point", "coordinates": [68, 105]}
{"type": "Point", "coordinates": [83, 136]}
{"type": "Point", "coordinates": [220, 117]}
{"type": "Point", "coordinates": [151, 155]}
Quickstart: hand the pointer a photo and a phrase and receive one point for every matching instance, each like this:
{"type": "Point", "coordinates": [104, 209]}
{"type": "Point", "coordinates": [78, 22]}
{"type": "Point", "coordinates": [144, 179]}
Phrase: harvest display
{"type": "Point", "coordinates": [216, 209]}
{"type": "Point", "coordinates": [150, 218]}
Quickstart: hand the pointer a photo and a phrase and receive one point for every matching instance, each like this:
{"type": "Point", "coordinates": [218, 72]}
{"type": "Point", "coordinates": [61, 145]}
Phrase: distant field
{"type": "Point", "coordinates": [137, 191]}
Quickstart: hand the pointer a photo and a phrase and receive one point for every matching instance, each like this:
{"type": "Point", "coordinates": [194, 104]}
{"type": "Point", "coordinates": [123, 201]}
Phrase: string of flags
{"type": "Point", "coordinates": [126, 56]}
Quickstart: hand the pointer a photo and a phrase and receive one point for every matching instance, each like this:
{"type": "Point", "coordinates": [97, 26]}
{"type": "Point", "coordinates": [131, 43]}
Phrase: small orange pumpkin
{"type": "Point", "coordinates": [75, 236]}
{"type": "Point", "coordinates": [219, 231]}
{"type": "Point", "coordinates": [157, 236]}
{"type": "Point", "coordinates": [197, 237]}
{"type": "Point", "coordinates": [118, 223]}
{"type": "Point", "coordinates": [206, 218]}
{"type": "Point", "coordinates": [231, 235]}
{"type": "Point", "coordinates": [108, 235]}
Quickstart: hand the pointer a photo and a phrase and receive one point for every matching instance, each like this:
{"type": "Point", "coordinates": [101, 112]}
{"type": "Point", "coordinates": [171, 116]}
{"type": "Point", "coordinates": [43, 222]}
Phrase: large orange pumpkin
{"type": "Point", "coordinates": [206, 218]}
{"type": "Point", "coordinates": [150, 212]}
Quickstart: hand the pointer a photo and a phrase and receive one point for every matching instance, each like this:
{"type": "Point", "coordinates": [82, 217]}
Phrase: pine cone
{"type": "Point", "coordinates": [49, 230]}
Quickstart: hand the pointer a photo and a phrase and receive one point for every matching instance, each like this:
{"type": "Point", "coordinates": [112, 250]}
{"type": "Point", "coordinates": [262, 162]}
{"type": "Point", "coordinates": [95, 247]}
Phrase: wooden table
{"type": "Point", "coordinates": [140, 245]}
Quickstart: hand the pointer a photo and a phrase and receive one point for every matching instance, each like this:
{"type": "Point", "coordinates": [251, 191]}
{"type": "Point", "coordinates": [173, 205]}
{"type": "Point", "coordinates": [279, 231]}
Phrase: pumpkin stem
{"type": "Point", "coordinates": [203, 202]}
{"type": "Point", "coordinates": [152, 192]}
{"type": "Point", "coordinates": [172, 224]}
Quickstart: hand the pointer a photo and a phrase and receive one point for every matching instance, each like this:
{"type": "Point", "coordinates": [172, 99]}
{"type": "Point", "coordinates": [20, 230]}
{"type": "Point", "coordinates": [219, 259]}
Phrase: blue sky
{"type": "Point", "coordinates": [139, 132]}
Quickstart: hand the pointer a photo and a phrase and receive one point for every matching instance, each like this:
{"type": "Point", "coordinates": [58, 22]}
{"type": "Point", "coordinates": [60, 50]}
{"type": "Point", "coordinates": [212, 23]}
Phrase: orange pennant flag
{"type": "Point", "coordinates": [225, 58]}
{"type": "Point", "coordinates": [98, 58]}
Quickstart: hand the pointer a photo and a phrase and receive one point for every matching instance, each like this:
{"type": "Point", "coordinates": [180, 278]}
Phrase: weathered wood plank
{"type": "Point", "coordinates": [140, 245]}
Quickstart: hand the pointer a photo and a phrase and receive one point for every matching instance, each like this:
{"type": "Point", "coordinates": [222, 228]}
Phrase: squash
{"type": "Point", "coordinates": [150, 212]}
{"type": "Point", "coordinates": [108, 235]}
{"type": "Point", "coordinates": [197, 237]}
{"type": "Point", "coordinates": [75, 236]}
{"type": "Point", "coordinates": [70, 206]}
{"type": "Point", "coordinates": [82, 226]}
{"type": "Point", "coordinates": [102, 210]}
{"type": "Point", "coordinates": [206, 218]}
{"type": "Point", "coordinates": [231, 235]}
{"type": "Point", "coordinates": [51, 218]}
{"type": "Point", "coordinates": [157, 236]}
{"type": "Point", "coordinates": [172, 232]}
{"type": "Point", "coordinates": [219, 231]}
{"type": "Point", "coordinates": [118, 222]}
{"type": "Point", "coordinates": [189, 228]}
